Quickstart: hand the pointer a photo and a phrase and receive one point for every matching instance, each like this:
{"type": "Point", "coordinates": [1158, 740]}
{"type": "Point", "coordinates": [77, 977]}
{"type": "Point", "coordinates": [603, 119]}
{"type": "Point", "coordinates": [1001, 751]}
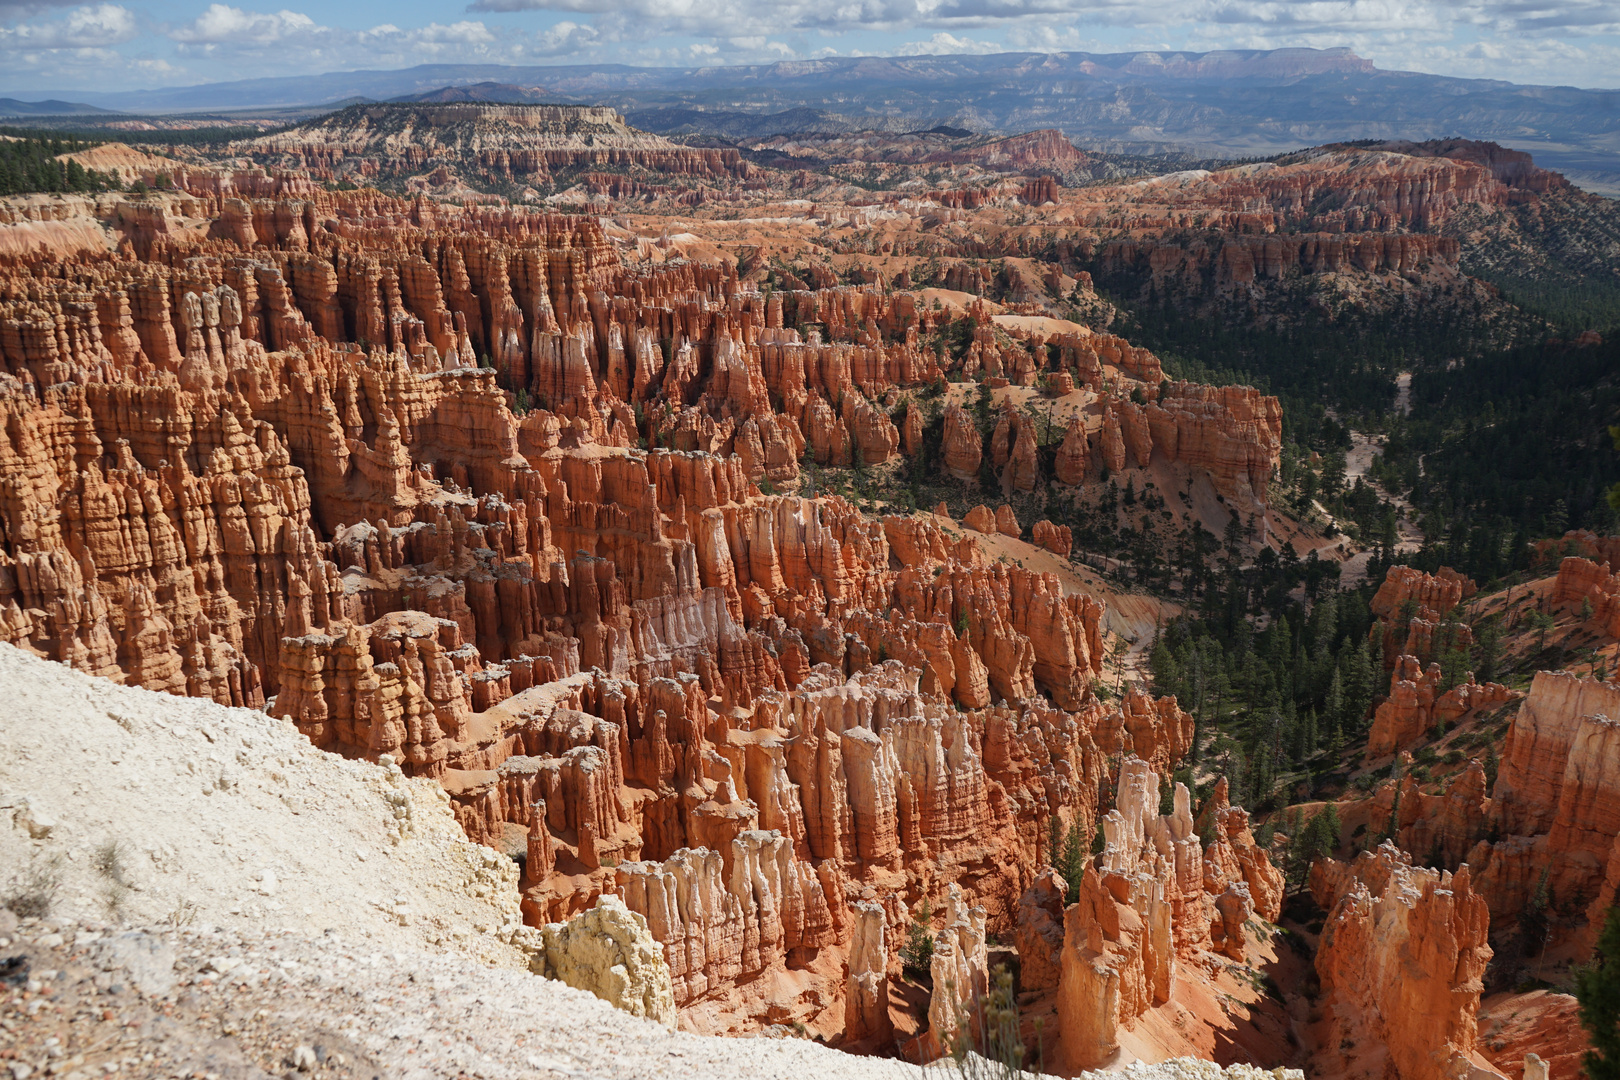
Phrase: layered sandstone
{"type": "Point", "coordinates": [457, 485]}
{"type": "Point", "coordinates": [1415, 705]}
{"type": "Point", "coordinates": [1040, 932]}
{"type": "Point", "coordinates": [1233, 855]}
{"type": "Point", "coordinates": [1401, 961]}
{"type": "Point", "coordinates": [1411, 607]}
{"type": "Point", "coordinates": [1555, 808]}
{"type": "Point", "coordinates": [1584, 584]}
{"type": "Point", "coordinates": [1153, 896]}
{"type": "Point", "coordinates": [494, 140]}
{"type": "Point", "coordinates": [1440, 830]}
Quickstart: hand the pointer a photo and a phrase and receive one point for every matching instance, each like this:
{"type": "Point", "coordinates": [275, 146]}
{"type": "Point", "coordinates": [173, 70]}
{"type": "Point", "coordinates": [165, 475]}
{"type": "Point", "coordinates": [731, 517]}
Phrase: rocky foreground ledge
{"type": "Point", "coordinates": [84, 1000]}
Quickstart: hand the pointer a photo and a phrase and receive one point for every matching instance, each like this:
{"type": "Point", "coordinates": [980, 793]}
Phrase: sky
{"type": "Point", "coordinates": [49, 47]}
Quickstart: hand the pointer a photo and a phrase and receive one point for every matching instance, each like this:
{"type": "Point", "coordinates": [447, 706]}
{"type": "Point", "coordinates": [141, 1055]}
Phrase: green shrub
{"type": "Point", "coordinates": [917, 954]}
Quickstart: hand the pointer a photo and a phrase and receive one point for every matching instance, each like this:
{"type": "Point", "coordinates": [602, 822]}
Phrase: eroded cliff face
{"type": "Point", "coordinates": [1555, 809]}
{"type": "Point", "coordinates": [1372, 225]}
{"type": "Point", "coordinates": [1444, 827]}
{"type": "Point", "coordinates": [1416, 704]}
{"type": "Point", "coordinates": [459, 487]}
{"type": "Point", "coordinates": [1585, 584]}
{"type": "Point", "coordinates": [492, 142]}
{"type": "Point", "coordinates": [1413, 606]}
{"type": "Point", "coordinates": [1401, 961]}
{"type": "Point", "coordinates": [1155, 899]}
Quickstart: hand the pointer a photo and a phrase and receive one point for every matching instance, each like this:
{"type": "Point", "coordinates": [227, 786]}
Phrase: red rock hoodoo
{"type": "Point", "coordinates": [459, 486]}
{"type": "Point", "coordinates": [1401, 962]}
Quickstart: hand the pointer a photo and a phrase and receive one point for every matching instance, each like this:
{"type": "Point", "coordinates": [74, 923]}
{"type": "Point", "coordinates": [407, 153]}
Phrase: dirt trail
{"type": "Point", "coordinates": [1357, 462]}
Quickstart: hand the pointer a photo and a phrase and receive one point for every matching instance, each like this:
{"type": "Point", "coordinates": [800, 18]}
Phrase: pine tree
{"type": "Point", "coordinates": [1311, 841]}
{"type": "Point", "coordinates": [1073, 862]}
{"type": "Point", "coordinates": [1597, 988]}
{"type": "Point", "coordinates": [1533, 921]}
{"type": "Point", "coordinates": [918, 952]}
{"type": "Point", "coordinates": [1392, 827]}
{"type": "Point", "coordinates": [1325, 630]}
{"type": "Point", "coordinates": [1490, 653]}
{"type": "Point", "coordinates": [1358, 686]}
{"type": "Point", "coordinates": [1232, 540]}
{"type": "Point", "coordinates": [1328, 828]}
{"type": "Point", "coordinates": [1166, 672]}
{"type": "Point", "coordinates": [1333, 706]}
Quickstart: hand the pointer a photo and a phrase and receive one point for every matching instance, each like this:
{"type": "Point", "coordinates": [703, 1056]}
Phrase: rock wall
{"type": "Point", "coordinates": [1415, 705]}
{"type": "Point", "coordinates": [1153, 896]}
{"type": "Point", "coordinates": [1582, 583]}
{"type": "Point", "coordinates": [1411, 605]}
{"type": "Point", "coordinates": [1401, 960]}
{"type": "Point", "coordinates": [1556, 804]}
{"type": "Point", "coordinates": [1441, 829]}
{"type": "Point", "coordinates": [507, 141]}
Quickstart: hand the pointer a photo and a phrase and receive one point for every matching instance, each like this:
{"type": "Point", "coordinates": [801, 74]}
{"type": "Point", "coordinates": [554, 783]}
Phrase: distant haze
{"type": "Point", "coordinates": [1232, 103]}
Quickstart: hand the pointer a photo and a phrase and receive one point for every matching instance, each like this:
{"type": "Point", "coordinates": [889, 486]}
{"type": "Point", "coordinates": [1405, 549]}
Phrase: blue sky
{"type": "Point", "coordinates": [48, 46]}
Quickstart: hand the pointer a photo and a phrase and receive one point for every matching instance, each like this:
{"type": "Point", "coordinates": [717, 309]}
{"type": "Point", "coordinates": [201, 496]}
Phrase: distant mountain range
{"type": "Point", "coordinates": [50, 107]}
{"type": "Point", "coordinates": [1231, 103]}
{"type": "Point", "coordinates": [494, 92]}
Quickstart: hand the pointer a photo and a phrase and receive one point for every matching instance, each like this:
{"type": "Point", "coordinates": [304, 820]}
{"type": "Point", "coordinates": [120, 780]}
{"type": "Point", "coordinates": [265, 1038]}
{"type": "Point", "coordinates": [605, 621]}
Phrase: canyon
{"type": "Point", "coordinates": [608, 529]}
{"type": "Point", "coordinates": [466, 492]}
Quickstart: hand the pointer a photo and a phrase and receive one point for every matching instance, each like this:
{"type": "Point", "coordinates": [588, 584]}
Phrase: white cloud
{"type": "Point", "coordinates": [99, 26]}
{"type": "Point", "coordinates": [1292, 22]}
{"type": "Point", "coordinates": [221, 25]}
{"type": "Point", "coordinates": [942, 43]}
{"type": "Point", "coordinates": [565, 38]}
{"type": "Point", "coordinates": [223, 30]}
{"type": "Point", "coordinates": [1558, 63]}
{"type": "Point", "coordinates": [465, 32]}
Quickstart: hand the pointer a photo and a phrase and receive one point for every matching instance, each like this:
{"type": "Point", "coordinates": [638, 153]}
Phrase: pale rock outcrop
{"type": "Point", "coordinates": [866, 994]}
{"type": "Point", "coordinates": [1118, 947]}
{"type": "Point", "coordinates": [959, 969]}
{"type": "Point", "coordinates": [609, 952]}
